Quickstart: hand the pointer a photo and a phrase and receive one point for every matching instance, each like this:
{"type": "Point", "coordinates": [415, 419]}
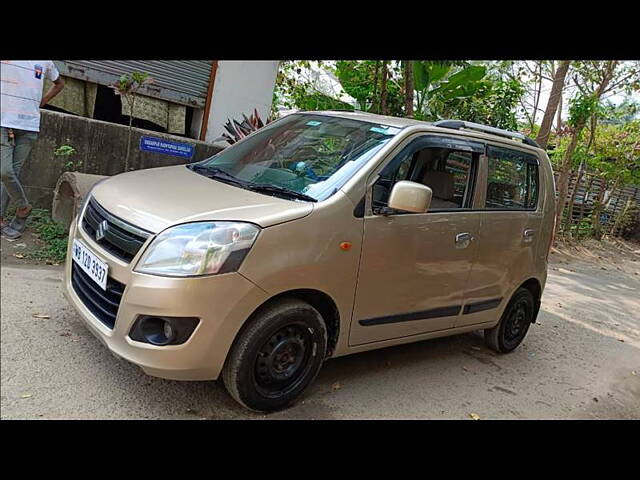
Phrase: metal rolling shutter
{"type": "Point", "coordinates": [179, 81]}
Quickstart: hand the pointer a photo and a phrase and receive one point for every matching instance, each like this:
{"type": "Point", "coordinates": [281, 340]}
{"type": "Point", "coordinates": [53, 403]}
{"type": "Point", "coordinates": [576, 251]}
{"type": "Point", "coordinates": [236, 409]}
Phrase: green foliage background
{"type": "Point", "coordinates": [504, 94]}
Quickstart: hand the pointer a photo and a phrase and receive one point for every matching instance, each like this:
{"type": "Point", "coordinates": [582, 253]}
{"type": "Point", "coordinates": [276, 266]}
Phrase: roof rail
{"type": "Point", "coordinates": [458, 124]}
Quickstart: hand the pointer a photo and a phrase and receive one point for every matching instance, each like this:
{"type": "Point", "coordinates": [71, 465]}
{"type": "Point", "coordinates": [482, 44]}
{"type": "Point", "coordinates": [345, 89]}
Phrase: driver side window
{"type": "Point", "coordinates": [447, 167]}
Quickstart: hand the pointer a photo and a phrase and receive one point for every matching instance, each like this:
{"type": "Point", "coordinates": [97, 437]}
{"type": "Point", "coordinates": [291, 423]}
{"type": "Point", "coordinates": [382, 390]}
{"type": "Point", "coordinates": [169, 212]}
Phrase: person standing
{"type": "Point", "coordinates": [21, 86]}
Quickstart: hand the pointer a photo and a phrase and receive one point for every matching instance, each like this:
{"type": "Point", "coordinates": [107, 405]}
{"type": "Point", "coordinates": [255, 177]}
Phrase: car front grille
{"type": "Point", "coordinates": [103, 304]}
{"type": "Point", "coordinates": [116, 236]}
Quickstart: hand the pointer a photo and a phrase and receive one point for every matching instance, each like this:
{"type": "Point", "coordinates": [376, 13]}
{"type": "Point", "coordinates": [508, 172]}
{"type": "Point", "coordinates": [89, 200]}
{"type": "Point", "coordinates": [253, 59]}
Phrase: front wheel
{"type": "Point", "coordinates": [514, 324]}
{"type": "Point", "coordinates": [276, 356]}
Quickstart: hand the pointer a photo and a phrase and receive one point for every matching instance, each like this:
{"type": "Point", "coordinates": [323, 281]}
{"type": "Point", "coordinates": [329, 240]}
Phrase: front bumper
{"type": "Point", "coordinates": [221, 302]}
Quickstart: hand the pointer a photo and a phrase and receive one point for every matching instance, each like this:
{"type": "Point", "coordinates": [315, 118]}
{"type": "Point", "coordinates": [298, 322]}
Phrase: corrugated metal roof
{"type": "Point", "coordinates": [180, 81]}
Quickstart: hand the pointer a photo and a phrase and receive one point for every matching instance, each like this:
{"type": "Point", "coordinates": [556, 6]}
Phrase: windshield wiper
{"type": "Point", "coordinates": [219, 174]}
{"type": "Point", "coordinates": [216, 173]}
{"type": "Point", "coordinates": [280, 190]}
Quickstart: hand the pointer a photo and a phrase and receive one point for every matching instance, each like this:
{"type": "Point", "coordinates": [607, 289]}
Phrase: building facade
{"type": "Point", "coordinates": [190, 98]}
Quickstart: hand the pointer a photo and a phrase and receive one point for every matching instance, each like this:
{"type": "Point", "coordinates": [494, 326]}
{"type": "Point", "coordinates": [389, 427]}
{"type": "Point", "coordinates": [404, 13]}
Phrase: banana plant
{"type": "Point", "coordinates": [434, 80]}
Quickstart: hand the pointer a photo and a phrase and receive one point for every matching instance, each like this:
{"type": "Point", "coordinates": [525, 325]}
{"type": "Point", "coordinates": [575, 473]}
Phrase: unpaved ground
{"type": "Point", "coordinates": [582, 360]}
{"type": "Point", "coordinates": [16, 252]}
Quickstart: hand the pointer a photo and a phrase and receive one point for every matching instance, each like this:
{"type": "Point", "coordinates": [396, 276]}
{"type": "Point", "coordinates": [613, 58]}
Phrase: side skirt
{"type": "Point", "coordinates": [412, 338]}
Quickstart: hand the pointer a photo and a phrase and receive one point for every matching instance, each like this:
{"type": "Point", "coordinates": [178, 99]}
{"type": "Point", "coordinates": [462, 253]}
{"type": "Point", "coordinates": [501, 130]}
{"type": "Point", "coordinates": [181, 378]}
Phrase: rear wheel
{"type": "Point", "coordinates": [276, 356]}
{"type": "Point", "coordinates": [513, 325]}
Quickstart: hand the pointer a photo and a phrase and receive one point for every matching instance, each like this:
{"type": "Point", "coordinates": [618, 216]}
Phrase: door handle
{"type": "Point", "coordinates": [528, 235]}
{"type": "Point", "coordinates": [463, 240]}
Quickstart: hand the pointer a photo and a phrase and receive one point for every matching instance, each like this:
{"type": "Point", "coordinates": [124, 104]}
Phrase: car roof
{"type": "Point", "coordinates": [370, 117]}
{"type": "Point", "coordinates": [410, 122]}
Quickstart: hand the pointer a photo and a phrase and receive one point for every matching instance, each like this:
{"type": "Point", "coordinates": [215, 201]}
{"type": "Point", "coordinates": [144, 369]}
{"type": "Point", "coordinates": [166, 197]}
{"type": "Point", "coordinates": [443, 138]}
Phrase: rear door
{"type": "Point", "coordinates": [511, 222]}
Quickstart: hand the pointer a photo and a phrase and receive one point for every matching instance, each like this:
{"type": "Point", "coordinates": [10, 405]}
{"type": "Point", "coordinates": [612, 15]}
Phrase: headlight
{"type": "Point", "coordinates": [202, 248]}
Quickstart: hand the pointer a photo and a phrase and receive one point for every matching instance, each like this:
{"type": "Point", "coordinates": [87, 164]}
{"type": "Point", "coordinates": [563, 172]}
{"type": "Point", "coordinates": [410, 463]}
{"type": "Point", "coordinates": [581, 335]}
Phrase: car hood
{"type": "Point", "coordinates": [157, 198]}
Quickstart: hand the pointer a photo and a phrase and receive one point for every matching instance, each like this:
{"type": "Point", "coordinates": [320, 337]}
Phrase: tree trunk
{"type": "Point", "coordinates": [408, 88]}
{"type": "Point", "coordinates": [587, 193]}
{"type": "Point", "coordinates": [126, 160]}
{"type": "Point", "coordinates": [537, 97]}
{"type": "Point", "coordinates": [572, 197]}
{"type": "Point", "coordinates": [566, 161]}
{"type": "Point", "coordinates": [552, 105]}
{"type": "Point", "coordinates": [595, 214]}
{"type": "Point", "coordinates": [383, 88]}
{"type": "Point", "coordinates": [563, 178]}
{"type": "Point", "coordinates": [620, 217]}
{"type": "Point", "coordinates": [559, 116]}
{"type": "Point", "coordinates": [616, 213]}
{"type": "Point", "coordinates": [603, 199]}
{"type": "Point", "coordinates": [375, 88]}
{"type": "Point", "coordinates": [592, 135]}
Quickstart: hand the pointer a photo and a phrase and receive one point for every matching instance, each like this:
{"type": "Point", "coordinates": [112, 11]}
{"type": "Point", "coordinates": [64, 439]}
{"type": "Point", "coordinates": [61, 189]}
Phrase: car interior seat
{"type": "Point", "coordinates": [442, 186]}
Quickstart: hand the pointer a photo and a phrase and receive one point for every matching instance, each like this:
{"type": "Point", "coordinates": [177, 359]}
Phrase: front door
{"type": "Point", "coordinates": [414, 267]}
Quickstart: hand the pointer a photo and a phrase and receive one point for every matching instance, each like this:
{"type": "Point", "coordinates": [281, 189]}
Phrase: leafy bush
{"type": "Point", "coordinates": [53, 234]}
{"type": "Point", "coordinates": [582, 230]}
{"type": "Point", "coordinates": [628, 219]}
{"type": "Point", "coordinates": [67, 153]}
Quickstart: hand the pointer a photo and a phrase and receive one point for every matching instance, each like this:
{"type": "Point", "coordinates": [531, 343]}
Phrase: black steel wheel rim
{"type": "Point", "coordinates": [516, 323]}
{"type": "Point", "coordinates": [283, 360]}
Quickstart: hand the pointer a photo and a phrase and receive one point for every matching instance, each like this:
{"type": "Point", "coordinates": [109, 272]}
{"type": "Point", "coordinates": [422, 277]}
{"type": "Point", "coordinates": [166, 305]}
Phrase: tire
{"type": "Point", "coordinates": [276, 356]}
{"type": "Point", "coordinates": [514, 324]}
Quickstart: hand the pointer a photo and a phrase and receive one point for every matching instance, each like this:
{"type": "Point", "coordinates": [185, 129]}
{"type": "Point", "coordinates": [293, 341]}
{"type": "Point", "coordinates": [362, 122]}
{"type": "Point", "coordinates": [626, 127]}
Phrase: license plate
{"type": "Point", "coordinates": [90, 263]}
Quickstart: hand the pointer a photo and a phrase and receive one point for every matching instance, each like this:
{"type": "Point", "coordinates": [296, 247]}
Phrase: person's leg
{"type": "Point", "coordinates": [6, 165]}
{"type": "Point", "coordinates": [4, 202]}
{"type": "Point", "coordinates": [23, 143]}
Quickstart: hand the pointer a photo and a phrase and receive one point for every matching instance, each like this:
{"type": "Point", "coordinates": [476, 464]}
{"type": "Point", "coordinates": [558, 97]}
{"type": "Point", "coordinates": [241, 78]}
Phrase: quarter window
{"type": "Point", "coordinates": [512, 181]}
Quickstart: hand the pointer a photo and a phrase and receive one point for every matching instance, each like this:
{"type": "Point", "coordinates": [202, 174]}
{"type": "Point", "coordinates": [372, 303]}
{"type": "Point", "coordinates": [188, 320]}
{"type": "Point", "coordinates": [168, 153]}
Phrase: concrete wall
{"type": "Point", "coordinates": [240, 86]}
{"type": "Point", "coordinates": [100, 146]}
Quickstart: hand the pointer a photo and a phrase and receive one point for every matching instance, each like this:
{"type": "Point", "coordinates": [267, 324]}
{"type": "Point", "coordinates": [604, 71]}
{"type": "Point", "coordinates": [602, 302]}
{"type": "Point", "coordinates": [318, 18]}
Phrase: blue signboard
{"type": "Point", "coordinates": [166, 147]}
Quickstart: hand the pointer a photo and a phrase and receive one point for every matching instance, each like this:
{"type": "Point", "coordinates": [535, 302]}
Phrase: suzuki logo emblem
{"type": "Point", "coordinates": [102, 229]}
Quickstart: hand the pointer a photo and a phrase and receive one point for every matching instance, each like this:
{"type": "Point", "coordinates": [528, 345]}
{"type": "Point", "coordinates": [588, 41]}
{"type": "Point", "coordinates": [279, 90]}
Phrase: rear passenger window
{"type": "Point", "coordinates": [512, 181]}
{"type": "Point", "coordinates": [458, 166]}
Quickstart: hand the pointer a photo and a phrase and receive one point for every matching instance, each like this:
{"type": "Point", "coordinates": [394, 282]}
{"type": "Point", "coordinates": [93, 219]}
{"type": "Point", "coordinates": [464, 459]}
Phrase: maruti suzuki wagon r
{"type": "Point", "coordinates": [320, 235]}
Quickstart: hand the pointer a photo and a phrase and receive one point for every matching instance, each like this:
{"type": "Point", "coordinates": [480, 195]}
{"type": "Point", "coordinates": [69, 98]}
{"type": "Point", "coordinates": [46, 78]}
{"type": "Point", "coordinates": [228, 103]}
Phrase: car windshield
{"type": "Point", "coordinates": [307, 154]}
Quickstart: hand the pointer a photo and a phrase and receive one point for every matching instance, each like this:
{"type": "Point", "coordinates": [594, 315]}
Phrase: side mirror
{"type": "Point", "coordinates": [410, 197]}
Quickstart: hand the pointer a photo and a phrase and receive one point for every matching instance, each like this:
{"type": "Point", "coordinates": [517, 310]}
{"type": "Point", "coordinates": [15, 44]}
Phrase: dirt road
{"type": "Point", "coordinates": [581, 360]}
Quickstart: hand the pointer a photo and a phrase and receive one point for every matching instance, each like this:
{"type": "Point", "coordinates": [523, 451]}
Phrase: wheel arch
{"type": "Point", "coordinates": [535, 287]}
{"type": "Point", "coordinates": [319, 300]}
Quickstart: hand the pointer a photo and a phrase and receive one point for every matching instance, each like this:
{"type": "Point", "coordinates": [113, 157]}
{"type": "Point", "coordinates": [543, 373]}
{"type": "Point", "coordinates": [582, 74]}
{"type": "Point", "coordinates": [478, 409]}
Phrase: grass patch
{"type": "Point", "coordinates": [54, 235]}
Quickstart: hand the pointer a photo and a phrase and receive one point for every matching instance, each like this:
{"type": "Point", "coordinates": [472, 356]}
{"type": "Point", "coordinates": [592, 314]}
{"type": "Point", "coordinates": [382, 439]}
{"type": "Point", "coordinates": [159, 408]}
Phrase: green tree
{"type": "Point", "coordinates": [494, 103]}
{"type": "Point", "coordinates": [377, 85]}
{"type": "Point", "coordinates": [593, 79]}
{"type": "Point", "coordinates": [439, 82]}
{"type": "Point", "coordinates": [616, 161]}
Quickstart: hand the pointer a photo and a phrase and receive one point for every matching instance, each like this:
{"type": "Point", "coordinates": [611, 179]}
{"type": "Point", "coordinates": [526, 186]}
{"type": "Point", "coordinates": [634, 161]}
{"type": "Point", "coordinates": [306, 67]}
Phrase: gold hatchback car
{"type": "Point", "coordinates": [320, 235]}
